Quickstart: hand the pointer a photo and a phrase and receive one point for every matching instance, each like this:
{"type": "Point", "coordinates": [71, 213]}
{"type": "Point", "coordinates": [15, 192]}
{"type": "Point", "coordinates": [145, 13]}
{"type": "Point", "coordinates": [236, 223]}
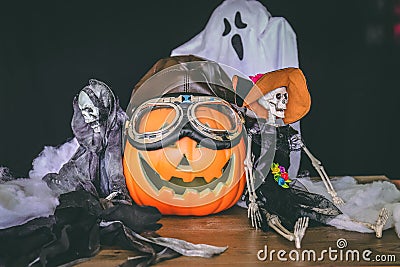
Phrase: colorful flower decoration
{"type": "Point", "coordinates": [280, 175]}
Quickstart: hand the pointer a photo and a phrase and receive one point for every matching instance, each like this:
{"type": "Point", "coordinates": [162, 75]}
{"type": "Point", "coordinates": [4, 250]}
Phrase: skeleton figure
{"type": "Point", "coordinates": [287, 210]}
{"type": "Point", "coordinates": [275, 102]}
{"type": "Point", "coordinates": [293, 207]}
{"type": "Point", "coordinates": [96, 166]}
{"type": "Point", "coordinates": [257, 212]}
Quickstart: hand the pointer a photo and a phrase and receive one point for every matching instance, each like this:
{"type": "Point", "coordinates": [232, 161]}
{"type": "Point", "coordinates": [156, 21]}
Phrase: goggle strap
{"type": "Point", "coordinates": [188, 99]}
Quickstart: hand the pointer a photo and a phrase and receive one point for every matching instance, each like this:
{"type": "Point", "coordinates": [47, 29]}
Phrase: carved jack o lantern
{"type": "Point", "coordinates": [184, 150]}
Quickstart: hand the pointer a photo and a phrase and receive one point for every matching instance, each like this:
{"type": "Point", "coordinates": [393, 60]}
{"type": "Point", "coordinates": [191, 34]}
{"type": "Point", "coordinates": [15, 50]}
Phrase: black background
{"type": "Point", "coordinates": [49, 50]}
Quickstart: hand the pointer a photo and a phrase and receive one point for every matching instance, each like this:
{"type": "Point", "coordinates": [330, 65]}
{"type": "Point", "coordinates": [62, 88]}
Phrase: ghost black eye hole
{"type": "Point", "coordinates": [228, 27]}
{"type": "Point", "coordinates": [238, 21]}
{"type": "Point", "coordinates": [278, 96]}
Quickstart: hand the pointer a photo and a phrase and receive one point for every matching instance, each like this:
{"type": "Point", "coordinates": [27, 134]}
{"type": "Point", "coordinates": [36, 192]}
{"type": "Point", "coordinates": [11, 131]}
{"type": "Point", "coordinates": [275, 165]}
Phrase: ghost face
{"type": "Point", "coordinates": [239, 35]}
{"type": "Point", "coordinates": [90, 112]}
{"type": "Point", "coordinates": [236, 39]}
{"type": "Point", "coordinates": [275, 101]}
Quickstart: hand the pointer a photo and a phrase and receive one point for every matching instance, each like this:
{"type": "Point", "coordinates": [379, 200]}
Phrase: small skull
{"type": "Point", "coordinates": [275, 101]}
{"type": "Point", "coordinates": [90, 112]}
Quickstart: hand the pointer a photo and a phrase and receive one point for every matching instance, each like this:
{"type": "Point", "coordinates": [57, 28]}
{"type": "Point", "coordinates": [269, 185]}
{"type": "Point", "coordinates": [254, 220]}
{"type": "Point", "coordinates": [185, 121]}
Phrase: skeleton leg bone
{"type": "Point", "coordinates": [275, 223]}
{"type": "Point", "coordinates": [321, 171]}
{"type": "Point", "coordinates": [299, 228]}
{"type": "Point", "coordinates": [380, 222]}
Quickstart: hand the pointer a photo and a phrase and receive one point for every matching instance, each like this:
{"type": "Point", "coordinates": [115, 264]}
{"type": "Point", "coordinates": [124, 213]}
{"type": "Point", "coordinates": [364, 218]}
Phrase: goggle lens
{"type": "Point", "coordinates": [155, 118]}
{"type": "Point", "coordinates": [215, 116]}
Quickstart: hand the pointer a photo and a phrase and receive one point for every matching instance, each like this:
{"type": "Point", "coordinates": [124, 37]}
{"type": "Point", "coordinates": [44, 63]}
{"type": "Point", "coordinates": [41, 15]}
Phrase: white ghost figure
{"type": "Point", "coordinates": [242, 34]}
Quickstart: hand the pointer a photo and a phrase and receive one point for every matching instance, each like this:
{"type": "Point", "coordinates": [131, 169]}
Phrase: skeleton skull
{"type": "Point", "coordinates": [89, 111]}
{"type": "Point", "coordinates": [275, 101]}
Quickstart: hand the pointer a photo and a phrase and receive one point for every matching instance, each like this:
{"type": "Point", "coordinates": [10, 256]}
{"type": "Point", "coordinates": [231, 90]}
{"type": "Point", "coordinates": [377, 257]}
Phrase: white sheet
{"type": "Point", "coordinates": [363, 202]}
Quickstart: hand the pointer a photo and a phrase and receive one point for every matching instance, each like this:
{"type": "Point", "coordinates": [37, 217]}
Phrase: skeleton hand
{"type": "Point", "coordinates": [336, 200]}
{"type": "Point", "coordinates": [300, 230]}
{"type": "Point", "coordinates": [295, 142]}
{"type": "Point", "coordinates": [253, 212]}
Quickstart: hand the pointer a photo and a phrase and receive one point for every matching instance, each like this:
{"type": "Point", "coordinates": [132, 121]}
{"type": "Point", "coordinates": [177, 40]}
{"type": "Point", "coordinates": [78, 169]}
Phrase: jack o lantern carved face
{"type": "Point", "coordinates": [184, 154]}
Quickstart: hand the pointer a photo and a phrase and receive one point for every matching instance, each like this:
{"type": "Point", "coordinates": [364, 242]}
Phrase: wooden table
{"type": "Point", "coordinates": [231, 228]}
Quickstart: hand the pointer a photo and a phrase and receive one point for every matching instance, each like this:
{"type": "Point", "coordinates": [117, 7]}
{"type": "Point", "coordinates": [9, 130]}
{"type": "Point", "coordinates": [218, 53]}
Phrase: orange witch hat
{"type": "Point", "coordinates": [293, 79]}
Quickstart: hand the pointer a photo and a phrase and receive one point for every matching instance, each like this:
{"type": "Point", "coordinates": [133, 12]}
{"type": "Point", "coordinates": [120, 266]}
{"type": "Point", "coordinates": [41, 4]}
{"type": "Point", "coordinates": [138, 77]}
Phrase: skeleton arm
{"type": "Point", "coordinates": [253, 212]}
{"type": "Point", "coordinates": [320, 169]}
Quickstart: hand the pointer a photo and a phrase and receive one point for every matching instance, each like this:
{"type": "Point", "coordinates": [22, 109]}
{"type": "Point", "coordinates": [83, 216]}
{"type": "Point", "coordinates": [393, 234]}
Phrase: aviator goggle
{"type": "Point", "coordinates": [160, 122]}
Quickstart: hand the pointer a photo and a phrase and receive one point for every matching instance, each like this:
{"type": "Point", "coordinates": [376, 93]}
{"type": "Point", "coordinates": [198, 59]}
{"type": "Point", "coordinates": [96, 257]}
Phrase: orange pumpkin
{"type": "Point", "coordinates": [185, 178]}
{"type": "Point", "coordinates": [196, 171]}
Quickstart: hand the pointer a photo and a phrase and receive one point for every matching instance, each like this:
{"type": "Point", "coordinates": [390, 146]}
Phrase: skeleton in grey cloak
{"type": "Point", "coordinates": [97, 164]}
